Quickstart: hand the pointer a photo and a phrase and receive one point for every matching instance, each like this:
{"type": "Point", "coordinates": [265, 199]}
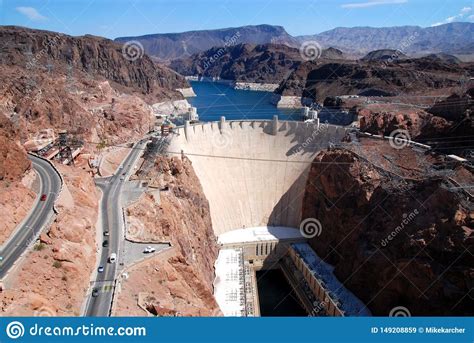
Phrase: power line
{"type": "Point", "coordinates": [179, 153]}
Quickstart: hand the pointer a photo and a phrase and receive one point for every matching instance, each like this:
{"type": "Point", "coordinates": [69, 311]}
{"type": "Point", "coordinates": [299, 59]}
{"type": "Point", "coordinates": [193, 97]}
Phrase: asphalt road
{"type": "Point", "coordinates": [40, 214]}
{"type": "Point", "coordinates": [112, 221]}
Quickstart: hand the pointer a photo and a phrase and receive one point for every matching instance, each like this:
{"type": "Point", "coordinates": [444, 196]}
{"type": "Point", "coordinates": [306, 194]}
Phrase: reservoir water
{"type": "Point", "coordinates": [214, 100]}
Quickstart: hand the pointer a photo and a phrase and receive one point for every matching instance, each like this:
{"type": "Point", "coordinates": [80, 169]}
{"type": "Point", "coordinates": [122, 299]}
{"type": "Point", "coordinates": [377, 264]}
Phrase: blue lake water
{"type": "Point", "coordinates": [214, 100]}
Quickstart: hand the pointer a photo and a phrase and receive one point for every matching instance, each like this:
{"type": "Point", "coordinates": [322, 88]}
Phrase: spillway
{"type": "Point", "coordinates": [253, 173]}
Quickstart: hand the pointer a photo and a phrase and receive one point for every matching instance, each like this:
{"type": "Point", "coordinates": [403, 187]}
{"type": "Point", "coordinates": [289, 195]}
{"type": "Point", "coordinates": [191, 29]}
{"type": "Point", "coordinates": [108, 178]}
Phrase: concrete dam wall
{"type": "Point", "coordinates": [253, 173]}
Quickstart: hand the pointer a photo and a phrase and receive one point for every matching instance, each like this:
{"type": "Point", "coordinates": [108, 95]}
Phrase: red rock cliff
{"type": "Point", "coordinates": [394, 242]}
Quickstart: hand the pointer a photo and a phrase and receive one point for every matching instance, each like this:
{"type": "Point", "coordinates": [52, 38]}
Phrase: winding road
{"type": "Point", "coordinates": [38, 218]}
{"type": "Point", "coordinates": [112, 221]}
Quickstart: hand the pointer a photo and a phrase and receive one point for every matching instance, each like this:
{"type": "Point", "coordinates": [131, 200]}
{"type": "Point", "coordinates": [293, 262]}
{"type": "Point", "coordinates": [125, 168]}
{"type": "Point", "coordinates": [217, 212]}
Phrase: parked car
{"type": "Point", "coordinates": [106, 232]}
{"type": "Point", "coordinates": [105, 243]}
{"type": "Point", "coordinates": [100, 269]}
{"type": "Point", "coordinates": [113, 258]}
{"type": "Point", "coordinates": [149, 250]}
{"type": "Point", "coordinates": [95, 292]}
{"type": "Point", "coordinates": [43, 197]}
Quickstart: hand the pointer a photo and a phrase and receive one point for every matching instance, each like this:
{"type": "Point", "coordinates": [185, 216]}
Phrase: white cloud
{"type": "Point", "coordinates": [31, 13]}
{"type": "Point", "coordinates": [372, 3]}
{"type": "Point", "coordinates": [462, 15]}
{"type": "Point", "coordinates": [450, 19]}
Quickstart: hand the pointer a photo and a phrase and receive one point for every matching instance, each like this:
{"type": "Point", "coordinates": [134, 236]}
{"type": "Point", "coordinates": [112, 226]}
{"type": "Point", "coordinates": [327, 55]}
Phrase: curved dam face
{"type": "Point", "coordinates": [253, 173]}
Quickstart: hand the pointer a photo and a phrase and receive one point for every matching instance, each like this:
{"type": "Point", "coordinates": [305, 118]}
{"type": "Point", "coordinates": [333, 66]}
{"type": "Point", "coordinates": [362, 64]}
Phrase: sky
{"type": "Point", "coordinates": [116, 18]}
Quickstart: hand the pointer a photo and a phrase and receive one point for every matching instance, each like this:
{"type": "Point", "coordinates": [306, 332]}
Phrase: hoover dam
{"type": "Point", "coordinates": [254, 173]}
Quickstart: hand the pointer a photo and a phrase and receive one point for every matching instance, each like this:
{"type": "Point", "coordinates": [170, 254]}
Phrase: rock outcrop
{"type": "Point", "coordinates": [96, 57]}
{"type": "Point", "coordinates": [16, 197]}
{"type": "Point", "coordinates": [448, 118]}
{"type": "Point", "coordinates": [322, 78]}
{"type": "Point", "coordinates": [384, 55]}
{"type": "Point", "coordinates": [397, 234]}
{"type": "Point", "coordinates": [180, 215]}
{"type": "Point", "coordinates": [248, 63]}
{"type": "Point", "coordinates": [267, 63]}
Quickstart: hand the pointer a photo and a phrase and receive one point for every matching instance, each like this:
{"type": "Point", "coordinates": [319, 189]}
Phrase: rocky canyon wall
{"type": "Point", "coordinates": [394, 242]}
{"type": "Point", "coordinates": [178, 282]}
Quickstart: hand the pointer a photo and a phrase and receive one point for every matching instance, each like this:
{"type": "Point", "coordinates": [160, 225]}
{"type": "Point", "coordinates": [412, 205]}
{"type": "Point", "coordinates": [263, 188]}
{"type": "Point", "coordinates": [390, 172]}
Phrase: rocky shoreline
{"type": "Point", "coordinates": [248, 86]}
{"type": "Point", "coordinates": [290, 101]}
{"type": "Point", "coordinates": [253, 86]}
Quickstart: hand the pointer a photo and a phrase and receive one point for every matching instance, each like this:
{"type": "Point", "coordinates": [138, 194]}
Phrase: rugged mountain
{"type": "Point", "coordinates": [183, 279]}
{"type": "Point", "coordinates": [320, 79]}
{"type": "Point", "coordinates": [264, 63]}
{"type": "Point", "coordinates": [449, 117]}
{"type": "Point", "coordinates": [82, 84]}
{"type": "Point", "coordinates": [442, 57]}
{"type": "Point", "coordinates": [384, 55]}
{"type": "Point", "coordinates": [420, 255]}
{"type": "Point", "coordinates": [332, 54]}
{"type": "Point", "coordinates": [97, 57]}
{"type": "Point", "coordinates": [454, 38]}
{"type": "Point", "coordinates": [85, 84]}
{"type": "Point", "coordinates": [267, 63]}
{"type": "Point", "coordinates": [168, 46]}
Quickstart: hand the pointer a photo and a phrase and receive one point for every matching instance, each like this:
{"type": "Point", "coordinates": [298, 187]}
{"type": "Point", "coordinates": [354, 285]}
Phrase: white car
{"type": "Point", "coordinates": [149, 250]}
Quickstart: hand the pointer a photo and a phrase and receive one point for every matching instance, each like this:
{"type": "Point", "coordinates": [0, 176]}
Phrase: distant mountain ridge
{"type": "Point", "coordinates": [457, 38]}
{"type": "Point", "coordinates": [167, 46]}
{"type": "Point", "coordinates": [452, 38]}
